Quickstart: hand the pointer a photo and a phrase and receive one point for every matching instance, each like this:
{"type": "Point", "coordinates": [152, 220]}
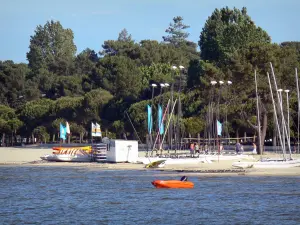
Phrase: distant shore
{"type": "Point", "coordinates": [31, 157]}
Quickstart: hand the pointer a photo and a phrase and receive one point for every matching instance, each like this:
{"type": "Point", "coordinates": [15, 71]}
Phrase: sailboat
{"type": "Point", "coordinates": [274, 163]}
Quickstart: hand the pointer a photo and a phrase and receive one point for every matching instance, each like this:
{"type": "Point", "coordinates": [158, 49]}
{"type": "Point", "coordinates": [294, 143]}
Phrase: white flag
{"type": "Point", "coordinates": [67, 128]}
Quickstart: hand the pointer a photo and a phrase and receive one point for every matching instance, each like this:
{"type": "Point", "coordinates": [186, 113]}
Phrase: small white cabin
{"type": "Point", "coordinates": [122, 151]}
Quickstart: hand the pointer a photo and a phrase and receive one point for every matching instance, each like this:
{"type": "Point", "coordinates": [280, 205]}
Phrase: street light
{"type": "Point", "coordinates": [221, 82]}
{"type": "Point", "coordinates": [153, 86]}
{"type": "Point", "coordinates": [229, 82]}
{"type": "Point", "coordinates": [213, 82]}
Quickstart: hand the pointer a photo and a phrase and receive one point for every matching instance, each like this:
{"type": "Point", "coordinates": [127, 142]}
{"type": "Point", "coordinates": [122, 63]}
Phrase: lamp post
{"type": "Point", "coordinates": [226, 119]}
{"type": "Point", "coordinates": [179, 111]}
{"type": "Point", "coordinates": [153, 86]}
{"type": "Point", "coordinates": [170, 135]}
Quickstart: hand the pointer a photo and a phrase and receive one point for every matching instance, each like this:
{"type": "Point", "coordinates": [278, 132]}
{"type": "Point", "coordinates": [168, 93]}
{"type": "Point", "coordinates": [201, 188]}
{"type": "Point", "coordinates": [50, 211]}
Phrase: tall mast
{"type": "Point", "coordinates": [298, 97]}
{"type": "Point", "coordinates": [258, 116]}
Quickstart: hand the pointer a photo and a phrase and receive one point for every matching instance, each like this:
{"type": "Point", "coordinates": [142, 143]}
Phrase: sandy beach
{"type": "Point", "coordinates": [31, 157]}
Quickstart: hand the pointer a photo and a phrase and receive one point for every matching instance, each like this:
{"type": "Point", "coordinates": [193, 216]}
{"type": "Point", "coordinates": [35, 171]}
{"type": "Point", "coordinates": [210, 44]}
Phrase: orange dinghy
{"type": "Point", "coordinates": [172, 184]}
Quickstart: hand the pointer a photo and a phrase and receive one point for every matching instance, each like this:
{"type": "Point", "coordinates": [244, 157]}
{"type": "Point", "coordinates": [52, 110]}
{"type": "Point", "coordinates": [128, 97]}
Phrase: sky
{"type": "Point", "coordinates": [95, 21]}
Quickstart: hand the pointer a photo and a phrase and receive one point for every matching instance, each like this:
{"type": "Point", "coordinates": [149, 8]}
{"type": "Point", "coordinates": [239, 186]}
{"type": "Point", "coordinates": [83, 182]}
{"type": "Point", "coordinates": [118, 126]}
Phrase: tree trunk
{"type": "Point", "coordinates": [3, 140]}
{"type": "Point", "coordinates": [263, 133]}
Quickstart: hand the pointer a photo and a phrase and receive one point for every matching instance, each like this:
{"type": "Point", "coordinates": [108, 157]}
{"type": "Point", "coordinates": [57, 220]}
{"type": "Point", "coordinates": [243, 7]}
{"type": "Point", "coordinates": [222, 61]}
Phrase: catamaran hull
{"type": "Point", "coordinates": [267, 164]}
{"type": "Point", "coordinates": [67, 158]}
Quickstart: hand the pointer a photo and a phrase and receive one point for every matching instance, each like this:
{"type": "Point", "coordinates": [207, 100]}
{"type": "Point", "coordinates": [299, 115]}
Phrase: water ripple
{"type": "Point", "coordinates": [56, 195]}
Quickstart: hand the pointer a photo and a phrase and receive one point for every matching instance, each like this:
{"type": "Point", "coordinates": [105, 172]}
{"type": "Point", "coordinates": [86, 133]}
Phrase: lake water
{"type": "Point", "coordinates": [59, 195]}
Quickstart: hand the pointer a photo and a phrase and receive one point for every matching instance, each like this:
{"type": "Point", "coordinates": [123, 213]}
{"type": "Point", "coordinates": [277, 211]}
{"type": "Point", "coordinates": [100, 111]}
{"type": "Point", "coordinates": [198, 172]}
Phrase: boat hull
{"type": "Point", "coordinates": [269, 164]}
{"type": "Point", "coordinates": [172, 184]}
{"type": "Point", "coordinates": [85, 148]}
{"type": "Point", "coordinates": [67, 158]}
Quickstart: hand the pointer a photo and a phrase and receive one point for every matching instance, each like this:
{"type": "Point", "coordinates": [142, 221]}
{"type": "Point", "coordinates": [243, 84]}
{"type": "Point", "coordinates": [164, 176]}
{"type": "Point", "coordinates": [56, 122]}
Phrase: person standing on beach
{"type": "Point", "coordinates": [254, 148]}
{"type": "Point", "coordinates": [238, 147]}
{"type": "Point", "coordinates": [192, 149]}
{"type": "Point", "coordinates": [197, 148]}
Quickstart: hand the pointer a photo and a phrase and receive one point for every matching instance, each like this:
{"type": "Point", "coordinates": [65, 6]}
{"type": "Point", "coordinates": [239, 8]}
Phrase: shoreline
{"type": "Point", "coordinates": [174, 170]}
{"type": "Point", "coordinates": [20, 157]}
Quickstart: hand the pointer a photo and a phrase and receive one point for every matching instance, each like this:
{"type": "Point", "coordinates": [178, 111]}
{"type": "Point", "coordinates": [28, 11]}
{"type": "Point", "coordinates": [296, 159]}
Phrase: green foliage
{"type": "Point", "coordinates": [176, 31]}
{"type": "Point", "coordinates": [41, 133]}
{"type": "Point", "coordinates": [194, 125]}
{"type": "Point", "coordinates": [56, 124]}
{"type": "Point", "coordinates": [12, 83]}
{"type": "Point", "coordinates": [226, 31]}
{"type": "Point", "coordinates": [69, 108]}
{"type": "Point", "coordinates": [52, 48]}
{"type": "Point", "coordinates": [8, 120]}
{"type": "Point", "coordinates": [118, 75]}
{"type": "Point", "coordinates": [94, 103]}
{"type": "Point", "coordinates": [58, 85]}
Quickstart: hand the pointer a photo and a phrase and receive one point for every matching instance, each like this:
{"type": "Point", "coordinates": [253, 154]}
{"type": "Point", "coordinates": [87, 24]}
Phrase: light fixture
{"type": "Point", "coordinates": [280, 90]}
{"type": "Point", "coordinates": [213, 82]}
{"type": "Point", "coordinates": [167, 85]}
{"type": "Point", "coordinates": [229, 82]}
{"type": "Point", "coordinates": [154, 85]}
{"type": "Point", "coordinates": [162, 85]}
{"type": "Point", "coordinates": [174, 67]}
{"type": "Point", "coordinates": [181, 67]}
{"type": "Point", "coordinates": [286, 91]}
{"type": "Point", "coordinates": [221, 82]}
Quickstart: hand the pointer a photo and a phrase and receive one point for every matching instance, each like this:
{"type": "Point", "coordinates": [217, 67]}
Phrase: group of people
{"type": "Point", "coordinates": [240, 149]}
{"type": "Point", "coordinates": [194, 148]}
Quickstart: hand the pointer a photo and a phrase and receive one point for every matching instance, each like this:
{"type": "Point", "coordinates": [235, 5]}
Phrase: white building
{"type": "Point", "coordinates": [122, 151]}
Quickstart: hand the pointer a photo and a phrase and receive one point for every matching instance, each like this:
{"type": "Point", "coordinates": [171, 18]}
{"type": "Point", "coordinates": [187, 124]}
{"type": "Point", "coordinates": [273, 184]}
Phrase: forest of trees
{"type": "Point", "coordinates": [101, 85]}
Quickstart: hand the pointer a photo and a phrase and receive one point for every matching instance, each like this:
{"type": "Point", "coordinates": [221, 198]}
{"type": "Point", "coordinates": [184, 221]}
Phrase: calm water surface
{"type": "Point", "coordinates": [56, 195]}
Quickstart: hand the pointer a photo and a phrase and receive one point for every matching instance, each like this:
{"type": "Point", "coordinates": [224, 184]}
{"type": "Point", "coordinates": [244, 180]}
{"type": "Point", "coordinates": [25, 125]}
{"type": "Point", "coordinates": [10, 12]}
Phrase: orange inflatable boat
{"type": "Point", "coordinates": [172, 184]}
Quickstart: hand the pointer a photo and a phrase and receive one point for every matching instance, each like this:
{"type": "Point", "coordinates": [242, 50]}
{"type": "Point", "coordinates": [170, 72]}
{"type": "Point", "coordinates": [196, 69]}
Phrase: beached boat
{"type": "Point", "coordinates": [269, 163]}
{"type": "Point", "coordinates": [84, 148]}
{"type": "Point", "coordinates": [173, 161]}
{"type": "Point", "coordinates": [151, 162]}
{"type": "Point", "coordinates": [172, 184]}
{"type": "Point", "coordinates": [49, 157]}
{"type": "Point", "coordinates": [77, 156]}
{"type": "Point", "coordinates": [73, 158]}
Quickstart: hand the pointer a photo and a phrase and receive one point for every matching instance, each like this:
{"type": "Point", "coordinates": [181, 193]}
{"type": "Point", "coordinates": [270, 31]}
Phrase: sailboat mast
{"type": "Point", "coordinates": [258, 116]}
{"type": "Point", "coordinates": [285, 133]}
{"type": "Point", "coordinates": [298, 98]}
{"type": "Point", "coordinates": [275, 115]}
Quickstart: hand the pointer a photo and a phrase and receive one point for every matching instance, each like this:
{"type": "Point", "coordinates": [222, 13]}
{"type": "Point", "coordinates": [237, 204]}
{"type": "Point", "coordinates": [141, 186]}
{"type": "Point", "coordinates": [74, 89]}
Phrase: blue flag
{"type": "Point", "coordinates": [62, 131]}
{"type": "Point", "coordinates": [149, 109]}
{"type": "Point", "coordinates": [219, 128]}
{"type": "Point", "coordinates": [160, 122]}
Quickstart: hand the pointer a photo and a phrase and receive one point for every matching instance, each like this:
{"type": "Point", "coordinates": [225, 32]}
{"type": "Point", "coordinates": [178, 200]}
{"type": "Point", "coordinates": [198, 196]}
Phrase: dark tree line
{"type": "Point", "coordinates": [101, 85]}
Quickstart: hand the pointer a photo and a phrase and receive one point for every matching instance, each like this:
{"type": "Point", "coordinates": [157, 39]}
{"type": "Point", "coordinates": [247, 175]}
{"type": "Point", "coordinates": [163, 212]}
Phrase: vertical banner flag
{"type": "Point", "coordinates": [219, 128]}
{"type": "Point", "coordinates": [149, 109]}
{"type": "Point", "coordinates": [62, 131]}
{"type": "Point", "coordinates": [96, 130]}
{"type": "Point", "coordinates": [160, 122]}
{"type": "Point", "coordinates": [67, 128]}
